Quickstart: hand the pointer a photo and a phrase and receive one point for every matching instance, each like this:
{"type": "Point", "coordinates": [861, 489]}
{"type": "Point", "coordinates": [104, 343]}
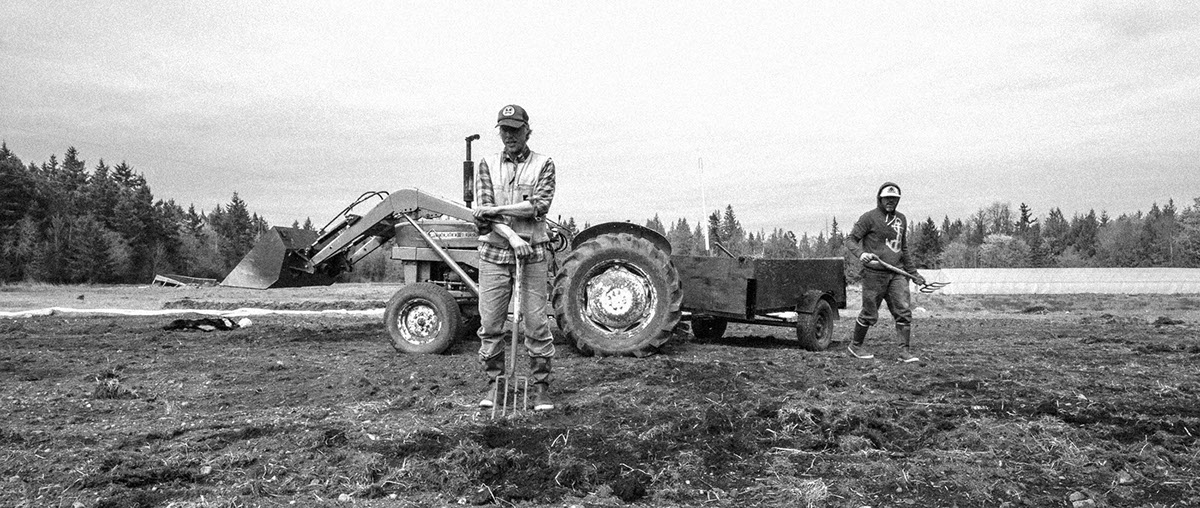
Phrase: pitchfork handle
{"type": "Point", "coordinates": [517, 314]}
{"type": "Point", "coordinates": [895, 269]}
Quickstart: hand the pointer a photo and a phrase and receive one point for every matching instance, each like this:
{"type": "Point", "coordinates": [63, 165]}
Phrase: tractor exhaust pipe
{"type": "Point", "coordinates": [469, 174]}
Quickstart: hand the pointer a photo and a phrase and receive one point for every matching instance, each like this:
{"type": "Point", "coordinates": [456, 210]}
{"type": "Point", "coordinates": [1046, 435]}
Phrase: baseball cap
{"type": "Point", "coordinates": [891, 191]}
{"type": "Point", "coordinates": [512, 115]}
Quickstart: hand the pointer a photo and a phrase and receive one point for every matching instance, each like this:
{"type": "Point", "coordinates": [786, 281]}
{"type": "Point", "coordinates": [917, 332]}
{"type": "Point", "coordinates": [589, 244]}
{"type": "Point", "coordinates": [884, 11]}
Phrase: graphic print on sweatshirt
{"type": "Point", "coordinates": [897, 226]}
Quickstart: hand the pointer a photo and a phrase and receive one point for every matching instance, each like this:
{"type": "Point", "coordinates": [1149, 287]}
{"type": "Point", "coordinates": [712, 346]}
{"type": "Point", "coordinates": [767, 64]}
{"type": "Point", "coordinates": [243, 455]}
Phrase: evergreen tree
{"type": "Point", "coordinates": [656, 225]}
{"type": "Point", "coordinates": [193, 223]}
{"type": "Point", "coordinates": [682, 241]}
{"type": "Point", "coordinates": [781, 245]}
{"type": "Point", "coordinates": [733, 237]}
{"type": "Point", "coordinates": [1026, 220]}
{"type": "Point", "coordinates": [837, 240]}
{"type": "Point", "coordinates": [73, 178]}
{"type": "Point", "coordinates": [978, 229]}
{"type": "Point", "coordinates": [714, 233]}
{"type": "Point", "coordinates": [17, 191]}
{"type": "Point", "coordinates": [1083, 234]}
{"type": "Point", "coordinates": [1039, 255]}
{"type": "Point", "coordinates": [805, 247]}
{"type": "Point", "coordinates": [700, 248]}
{"type": "Point", "coordinates": [1118, 242]}
{"type": "Point", "coordinates": [1056, 232]}
{"type": "Point", "coordinates": [236, 231]}
{"type": "Point", "coordinates": [756, 245]}
{"type": "Point", "coordinates": [1189, 236]}
{"type": "Point", "coordinates": [927, 247]}
{"type": "Point", "coordinates": [90, 258]}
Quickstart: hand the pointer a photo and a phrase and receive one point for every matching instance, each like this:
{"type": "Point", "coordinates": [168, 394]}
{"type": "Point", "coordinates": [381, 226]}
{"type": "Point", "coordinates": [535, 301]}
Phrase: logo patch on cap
{"type": "Point", "coordinates": [508, 111]}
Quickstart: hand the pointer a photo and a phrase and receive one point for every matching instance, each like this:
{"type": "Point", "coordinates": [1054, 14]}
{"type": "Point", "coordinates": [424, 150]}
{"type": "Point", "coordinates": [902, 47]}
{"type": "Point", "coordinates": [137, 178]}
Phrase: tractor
{"type": "Point", "coordinates": [616, 288]}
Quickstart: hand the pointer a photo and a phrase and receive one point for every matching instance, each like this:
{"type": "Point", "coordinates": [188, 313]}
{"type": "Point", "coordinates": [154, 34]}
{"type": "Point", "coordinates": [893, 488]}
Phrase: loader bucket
{"type": "Point", "coordinates": [275, 262]}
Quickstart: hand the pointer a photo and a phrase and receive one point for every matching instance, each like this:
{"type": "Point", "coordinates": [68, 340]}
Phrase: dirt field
{"type": "Point", "coordinates": [1017, 401]}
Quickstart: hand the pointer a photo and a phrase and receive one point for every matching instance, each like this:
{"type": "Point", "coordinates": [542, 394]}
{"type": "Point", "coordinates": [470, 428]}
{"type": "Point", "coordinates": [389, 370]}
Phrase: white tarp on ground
{"type": "Point", "coordinates": [242, 312]}
{"type": "Point", "coordinates": [1027, 281]}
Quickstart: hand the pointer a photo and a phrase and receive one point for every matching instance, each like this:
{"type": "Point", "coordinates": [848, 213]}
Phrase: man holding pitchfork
{"type": "Point", "coordinates": [514, 190]}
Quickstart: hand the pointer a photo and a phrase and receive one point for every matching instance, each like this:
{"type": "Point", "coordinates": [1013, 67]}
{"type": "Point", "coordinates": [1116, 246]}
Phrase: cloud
{"type": "Point", "coordinates": [1136, 20]}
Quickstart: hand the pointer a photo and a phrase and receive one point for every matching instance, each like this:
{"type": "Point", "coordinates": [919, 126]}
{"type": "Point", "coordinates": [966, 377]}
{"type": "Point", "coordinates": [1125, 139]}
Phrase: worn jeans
{"type": "Point", "coordinates": [495, 296]}
{"type": "Point", "coordinates": [879, 286]}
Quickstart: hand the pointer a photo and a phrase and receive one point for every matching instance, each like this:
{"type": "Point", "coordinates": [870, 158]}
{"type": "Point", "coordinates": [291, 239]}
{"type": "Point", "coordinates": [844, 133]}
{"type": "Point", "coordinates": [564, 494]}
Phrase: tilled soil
{"type": "Point", "coordinates": [1022, 406]}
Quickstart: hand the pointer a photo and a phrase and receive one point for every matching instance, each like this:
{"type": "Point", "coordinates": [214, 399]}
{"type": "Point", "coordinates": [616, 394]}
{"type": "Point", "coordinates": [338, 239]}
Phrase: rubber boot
{"type": "Point", "coordinates": [904, 337]}
{"type": "Point", "coordinates": [492, 367]}
{"type": "Point", "coordinates": [540, 367]}
{"type": "Point", "coordinates": [855, 347]}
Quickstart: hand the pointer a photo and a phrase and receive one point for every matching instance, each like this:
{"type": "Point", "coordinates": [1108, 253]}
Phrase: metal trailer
{"type": "Point", "coordinates": [615, 288]}
{"type": "Point", "coordinates": [804, 294]}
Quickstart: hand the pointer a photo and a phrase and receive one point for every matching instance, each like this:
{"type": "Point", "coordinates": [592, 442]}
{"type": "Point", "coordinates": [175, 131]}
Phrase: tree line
{"type": "Point", "coordinates": [996, 236]}
{"type": "Point", "coordinates": [61, 223]}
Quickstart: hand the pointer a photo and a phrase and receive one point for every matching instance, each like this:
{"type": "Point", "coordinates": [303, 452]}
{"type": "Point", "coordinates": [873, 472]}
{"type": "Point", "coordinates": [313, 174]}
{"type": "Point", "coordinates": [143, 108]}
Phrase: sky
{"type": "Point", "coordinates": [793, 113]}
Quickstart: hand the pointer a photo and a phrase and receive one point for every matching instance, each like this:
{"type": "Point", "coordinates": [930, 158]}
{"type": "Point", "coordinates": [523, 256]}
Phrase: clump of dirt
{"type": "Point", "coordinates": [109, 386]}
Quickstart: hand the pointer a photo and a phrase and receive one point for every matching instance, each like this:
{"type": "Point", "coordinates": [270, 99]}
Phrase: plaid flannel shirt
{"type": "Point", "coordinates": [541, 199]}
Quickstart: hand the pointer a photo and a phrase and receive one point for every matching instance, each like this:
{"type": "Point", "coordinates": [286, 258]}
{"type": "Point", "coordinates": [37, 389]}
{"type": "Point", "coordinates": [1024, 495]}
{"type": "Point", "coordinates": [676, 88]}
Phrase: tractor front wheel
{"type": "Point", "coordinates": [422, 318]}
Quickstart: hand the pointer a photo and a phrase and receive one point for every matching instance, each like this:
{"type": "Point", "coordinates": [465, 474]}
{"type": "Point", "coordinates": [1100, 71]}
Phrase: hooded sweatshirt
{"type": "Point", "coordinates": [883, 234]}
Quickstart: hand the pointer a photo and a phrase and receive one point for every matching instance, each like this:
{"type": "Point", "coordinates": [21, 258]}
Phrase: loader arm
{"type": "Point", "coordinates": [358, 237]}
{"type": "Point", "coordinates": [292, 257]}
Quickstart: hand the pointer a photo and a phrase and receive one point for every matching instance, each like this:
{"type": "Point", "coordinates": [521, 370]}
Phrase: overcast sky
{"type": "Point", "coordinates": [798, 110]}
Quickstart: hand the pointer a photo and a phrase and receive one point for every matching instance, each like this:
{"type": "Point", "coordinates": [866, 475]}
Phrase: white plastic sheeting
{"type": "Point", "coordinates": [1045, 281]}
{"type": "Point", "coordinates": [242, 312]}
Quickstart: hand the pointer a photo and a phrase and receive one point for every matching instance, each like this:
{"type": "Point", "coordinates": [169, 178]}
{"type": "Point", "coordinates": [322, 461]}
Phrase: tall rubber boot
{"type": "Point", "coordinates": [540, 367]}
{"type": "Point", "coordinates": [904, 336]}
{"type": "Point", "coordinates": [856, 347]}
{"type": "Point", "coordinates": [492, 367]}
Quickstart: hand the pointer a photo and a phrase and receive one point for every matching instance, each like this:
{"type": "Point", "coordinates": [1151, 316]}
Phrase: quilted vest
{"type": "Point", "coordinates": [513, 185]}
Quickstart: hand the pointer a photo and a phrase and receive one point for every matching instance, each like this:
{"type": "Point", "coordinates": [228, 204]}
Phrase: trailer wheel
{"type": "Point", "coordinates": [617, 294]}
{"type": "Point", "coordinates": [815, 330]}
{"type": "Point", "coordinates": [422, 318]}
{"type": "Point", "coordinates": [708, 327]}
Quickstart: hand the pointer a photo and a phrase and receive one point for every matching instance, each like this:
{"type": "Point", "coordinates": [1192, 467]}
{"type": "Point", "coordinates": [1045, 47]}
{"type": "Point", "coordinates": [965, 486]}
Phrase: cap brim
{"type": "Point", "coordinates": [510, 122]}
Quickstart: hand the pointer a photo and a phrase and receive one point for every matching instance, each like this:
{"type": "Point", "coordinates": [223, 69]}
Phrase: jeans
{"type": "Point", "coordinates": [879, 286]}
{"type": "Point", "coordinates": [495, 296]}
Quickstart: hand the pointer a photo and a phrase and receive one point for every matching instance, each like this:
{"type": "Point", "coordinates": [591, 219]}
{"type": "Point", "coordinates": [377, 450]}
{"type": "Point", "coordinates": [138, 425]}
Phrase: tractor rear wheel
{"type": "Point", "coordinates": [617, 294]}
{"type": "Point", "coordinates": [708, 327]}
{"type": "Point", "coordinates": [815, 330]}
{"type": "Point", "coordinates": [422, 318]}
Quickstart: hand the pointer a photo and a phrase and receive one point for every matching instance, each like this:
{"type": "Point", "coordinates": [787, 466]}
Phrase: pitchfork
{"type": "Point", "coordinates": [928, 287]}
{"type": "Point", "coordinates": [519, 385]}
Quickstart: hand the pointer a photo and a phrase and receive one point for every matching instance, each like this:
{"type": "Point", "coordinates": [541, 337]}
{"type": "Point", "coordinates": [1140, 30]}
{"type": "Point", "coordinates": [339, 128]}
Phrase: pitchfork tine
{"type": "Point", "coordinates": [933, 286]}
{"type": "Point", "coordinates": [928, 287]}
{"type": "Point", "coordinates": [509, 379]}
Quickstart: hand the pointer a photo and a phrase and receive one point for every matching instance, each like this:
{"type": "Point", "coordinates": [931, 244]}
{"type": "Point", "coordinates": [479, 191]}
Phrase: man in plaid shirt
{"type": "Point", "coordinates": [515, 189]}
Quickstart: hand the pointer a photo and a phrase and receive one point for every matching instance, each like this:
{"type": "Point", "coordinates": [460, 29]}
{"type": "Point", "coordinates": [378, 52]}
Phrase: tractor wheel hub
{"type": "Point", "coordinates": [618, 299]}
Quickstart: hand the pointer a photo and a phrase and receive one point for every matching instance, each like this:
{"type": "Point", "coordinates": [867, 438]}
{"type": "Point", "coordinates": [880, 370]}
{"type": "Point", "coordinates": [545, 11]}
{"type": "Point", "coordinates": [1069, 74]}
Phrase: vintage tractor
{"type": "Point", "coordinates": [616, 288]}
